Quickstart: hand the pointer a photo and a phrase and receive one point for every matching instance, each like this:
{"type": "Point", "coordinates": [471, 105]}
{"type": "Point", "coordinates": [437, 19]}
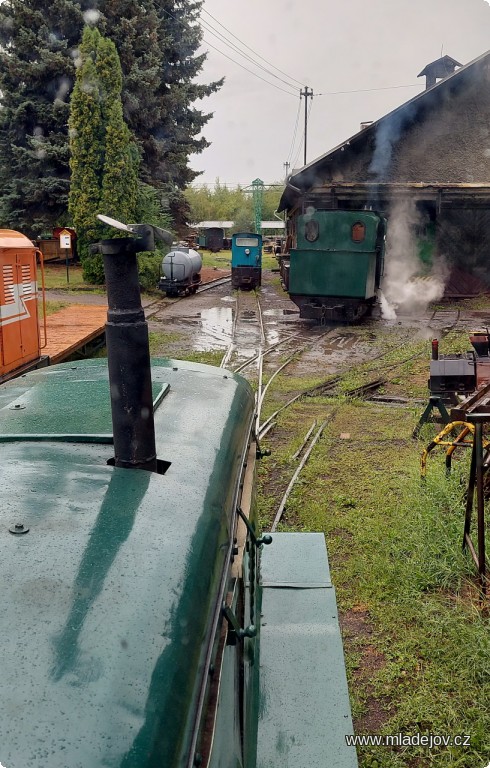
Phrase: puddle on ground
{"type": "Point", "coordinates": [215, 327]}
{"type": "Point", "coordinates": [280, 312]}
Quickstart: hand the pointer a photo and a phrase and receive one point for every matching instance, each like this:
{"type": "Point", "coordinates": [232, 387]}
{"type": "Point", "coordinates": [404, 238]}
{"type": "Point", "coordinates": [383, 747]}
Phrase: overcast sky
{"type": "Point", "coordinates": [328, 45]}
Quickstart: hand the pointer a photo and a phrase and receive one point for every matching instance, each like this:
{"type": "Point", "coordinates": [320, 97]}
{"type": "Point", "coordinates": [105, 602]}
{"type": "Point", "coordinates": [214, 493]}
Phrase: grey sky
{"type": "Point", "coordinates": [329, 45]}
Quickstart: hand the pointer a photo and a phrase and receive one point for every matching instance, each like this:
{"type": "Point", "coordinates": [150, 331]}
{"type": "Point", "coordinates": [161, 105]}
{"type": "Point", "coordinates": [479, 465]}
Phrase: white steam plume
{"type": "Point", "coordinates": [406, 286]}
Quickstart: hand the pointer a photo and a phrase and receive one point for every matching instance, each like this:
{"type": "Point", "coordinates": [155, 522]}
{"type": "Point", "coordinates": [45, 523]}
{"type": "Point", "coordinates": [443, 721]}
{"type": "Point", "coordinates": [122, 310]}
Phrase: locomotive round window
{"type": "Point", "coordinates": [358, 232]}
{"type": "Point", "coordinates": [312, 230]}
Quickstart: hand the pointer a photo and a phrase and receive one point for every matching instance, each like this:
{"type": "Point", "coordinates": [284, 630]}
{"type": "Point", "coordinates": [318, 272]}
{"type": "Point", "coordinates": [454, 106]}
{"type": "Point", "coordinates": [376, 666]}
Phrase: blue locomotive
{"type": "Point", "coordinates": [144, 621]}
{"type": "Point", "coordinates": [246, 260]}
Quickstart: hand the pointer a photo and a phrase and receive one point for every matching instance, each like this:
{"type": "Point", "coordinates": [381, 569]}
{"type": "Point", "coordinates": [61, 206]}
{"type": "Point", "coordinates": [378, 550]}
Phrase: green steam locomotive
{"type": "Point", "coordinates": [333, 272]}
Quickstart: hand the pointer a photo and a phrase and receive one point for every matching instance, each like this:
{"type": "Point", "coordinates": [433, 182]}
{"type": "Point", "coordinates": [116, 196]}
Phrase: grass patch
{"type": "Point", "coordinates": [419, 655]}
{"type": "Point", "coordinates": [51, 307]}
{"type": "Point", "coordinates": [55, 279]}
{"type": "Point", "coordinates": [208, 357]}
{"type": "Point", "coordinates": [220, 260]}
{"type": "Point", "coordinates": [159, 341]}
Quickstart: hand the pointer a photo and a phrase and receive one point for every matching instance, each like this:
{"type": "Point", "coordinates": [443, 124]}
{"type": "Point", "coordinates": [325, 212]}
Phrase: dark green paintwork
{"type": "Point", "coordinates": [335, 265]}
{"type": "Point", "coordinates": [304, 704]}
{"type": "Point", "coordinates": [108, 600]}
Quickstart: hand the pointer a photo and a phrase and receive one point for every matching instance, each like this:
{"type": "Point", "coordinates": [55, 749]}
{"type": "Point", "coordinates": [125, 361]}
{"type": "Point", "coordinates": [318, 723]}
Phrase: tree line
{"type": "Point", "coordinates": [220, 203]}
{"type": "Point", "coordinates": [97, 107]}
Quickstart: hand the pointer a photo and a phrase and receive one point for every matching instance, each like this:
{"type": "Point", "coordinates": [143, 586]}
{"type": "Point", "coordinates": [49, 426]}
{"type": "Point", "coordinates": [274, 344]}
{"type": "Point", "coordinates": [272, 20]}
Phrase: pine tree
{"type": "Point", "coordinates": [156, 41]}
{"type": "Point", "coordinates": [180, 36]}
{"type": "Point", "coordinates": [36, 75]}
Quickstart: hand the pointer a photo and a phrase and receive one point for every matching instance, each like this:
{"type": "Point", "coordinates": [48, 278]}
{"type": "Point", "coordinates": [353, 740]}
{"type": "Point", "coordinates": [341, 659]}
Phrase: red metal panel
{"type": "Point", "coordinates": [18, 302]}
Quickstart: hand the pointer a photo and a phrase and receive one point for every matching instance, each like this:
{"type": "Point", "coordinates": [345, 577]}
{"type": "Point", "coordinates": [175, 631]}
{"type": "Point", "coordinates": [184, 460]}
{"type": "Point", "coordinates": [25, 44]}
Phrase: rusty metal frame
{"type": "Point", "coordinates": [480, 463]}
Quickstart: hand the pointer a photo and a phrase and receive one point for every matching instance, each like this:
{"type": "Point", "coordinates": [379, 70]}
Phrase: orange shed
{"type": "Point", "coordinates": [19, 316]}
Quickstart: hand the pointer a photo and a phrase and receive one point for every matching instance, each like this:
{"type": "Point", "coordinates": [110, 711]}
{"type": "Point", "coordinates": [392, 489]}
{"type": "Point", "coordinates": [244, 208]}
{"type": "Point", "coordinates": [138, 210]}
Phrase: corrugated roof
{"type": "Point", "coordinates": [212, 224]}
{"type": "Point", "coordinates": [275, 224]}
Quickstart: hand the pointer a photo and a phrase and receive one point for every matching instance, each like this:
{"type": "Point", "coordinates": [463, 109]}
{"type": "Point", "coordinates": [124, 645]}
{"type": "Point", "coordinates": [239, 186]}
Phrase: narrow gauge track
{"type": "Point", "coordinates": [247, 321]}
{"type": "Point", "coordinates": [329, 385]}
{"type": "Point", "coordinates": [162, 302]}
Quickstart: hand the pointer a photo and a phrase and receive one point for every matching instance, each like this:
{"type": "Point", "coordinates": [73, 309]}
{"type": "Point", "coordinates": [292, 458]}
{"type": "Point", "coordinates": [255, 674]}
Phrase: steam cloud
{"type": "Point", "coordinates": [406, 286]}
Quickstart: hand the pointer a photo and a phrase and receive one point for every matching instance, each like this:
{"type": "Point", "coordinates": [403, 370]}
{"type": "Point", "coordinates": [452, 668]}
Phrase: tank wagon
{"type": "Point", "coordinates": [181, 272]}
{"type": "Point", "coordinates": [335, 268]}
{"type": "Point", "coordinates": [246, 260]}
{"type": "Point", "coordinates": [144, 620]}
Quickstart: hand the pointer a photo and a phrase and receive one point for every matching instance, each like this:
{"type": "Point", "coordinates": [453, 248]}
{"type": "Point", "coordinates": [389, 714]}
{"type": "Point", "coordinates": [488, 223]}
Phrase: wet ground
{"type": "Point", "coordinates": [221, 317]}
{"type": "Point", "coordinates": [238, 324]}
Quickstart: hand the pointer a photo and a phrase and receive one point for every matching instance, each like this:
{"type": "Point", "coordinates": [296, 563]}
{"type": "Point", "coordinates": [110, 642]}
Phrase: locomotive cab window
{"type": "Point", "coordinates": [249, 242]}
{"type": "Point", "coordinates": [312, 230]}
{"type": "Point", "coordinates": [358, 232]}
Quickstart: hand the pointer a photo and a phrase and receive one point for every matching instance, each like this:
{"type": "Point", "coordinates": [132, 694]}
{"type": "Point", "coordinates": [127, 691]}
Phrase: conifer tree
{"type": "Point", "coordinates": [104, 159]}
{"type": "Point", "coordinates": [36, 76]}
{"type": "Point", "coordinates": [156, 40]}
{"type": "Point", "coordinates": [86, 130]}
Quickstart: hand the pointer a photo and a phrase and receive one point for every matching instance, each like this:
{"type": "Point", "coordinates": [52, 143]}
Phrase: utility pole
{"type": "Point", "coordinates": [286, 165]}
{"type": "Point", "coordinates": [307, 93]}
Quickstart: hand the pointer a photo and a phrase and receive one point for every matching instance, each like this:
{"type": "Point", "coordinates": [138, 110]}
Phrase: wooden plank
{"type": "Point", "coordinates": [73, 327]}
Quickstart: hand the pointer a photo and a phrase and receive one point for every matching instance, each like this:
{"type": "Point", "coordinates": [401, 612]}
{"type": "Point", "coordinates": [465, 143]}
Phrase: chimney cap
{"type": "Point", "coordinates": [440, 67]}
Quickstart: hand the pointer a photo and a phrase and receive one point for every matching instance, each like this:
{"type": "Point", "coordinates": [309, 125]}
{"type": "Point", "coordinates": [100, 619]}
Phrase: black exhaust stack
{"type": "Point", "coordinates": [128, 349]}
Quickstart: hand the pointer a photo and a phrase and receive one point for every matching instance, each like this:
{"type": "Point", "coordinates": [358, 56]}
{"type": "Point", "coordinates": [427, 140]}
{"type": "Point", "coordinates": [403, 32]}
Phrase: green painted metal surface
{"type": "Point", "coordinates": [351, 275]}
{"type": "Point", "coordinates": [304, 711]}
{"type": "Point", "coordinates": [333, 264]}
{"type": "Point", "coordinates": [27, 405]}
{"type": "Point", "coordinates": [108, 600]}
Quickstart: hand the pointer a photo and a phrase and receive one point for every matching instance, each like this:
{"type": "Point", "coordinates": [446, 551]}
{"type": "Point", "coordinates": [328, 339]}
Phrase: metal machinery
{"type": "Point", "coordinates": [246, 260]}
{"type": "Point", "coordinates": [20, 338]}
{"type": "Point", "coordinates": [462, 382]}
{"type": "Point", "coordinates": [333, 272]}
{"type": "Point", "coordinates": [181, 272]}
{"type": "Point", "coordinates": [460, 373]}
{"type": "Point", "coordinates": [143, 625]}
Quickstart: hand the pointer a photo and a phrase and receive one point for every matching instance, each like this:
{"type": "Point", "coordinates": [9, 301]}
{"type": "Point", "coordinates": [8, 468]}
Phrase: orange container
{"type": "Point", "coordinates": [19, 316]}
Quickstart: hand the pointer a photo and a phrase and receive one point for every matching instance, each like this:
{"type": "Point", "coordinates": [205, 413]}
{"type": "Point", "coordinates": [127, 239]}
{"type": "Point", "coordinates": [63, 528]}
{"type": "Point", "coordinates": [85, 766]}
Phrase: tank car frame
{"type": "Point", "coordinates": [181, 270]}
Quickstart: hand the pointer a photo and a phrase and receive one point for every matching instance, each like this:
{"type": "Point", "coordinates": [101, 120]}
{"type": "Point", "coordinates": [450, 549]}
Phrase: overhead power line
{"type": "Point", "coordinates": [210, 29]}
{"type": "Point", "coordinates": [179, 21]}
{"type": "Point", "coordinates": [249, 70]}
{"type": "Point", "coordinates": [367, 90]}
{"type": "Point", "coordinates": [251, 49]}
{"type": "Point", "coordinates": [295, 131]}
{"type": "Point", "coordinates": [216, 33]}
{"type": "Point", "coordinates": [302, 144]}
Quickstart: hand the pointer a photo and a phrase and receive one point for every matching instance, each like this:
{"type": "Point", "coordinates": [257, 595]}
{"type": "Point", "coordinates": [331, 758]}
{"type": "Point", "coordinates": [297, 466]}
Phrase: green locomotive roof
{"type": "Point", "coordinates": [108, 599]}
